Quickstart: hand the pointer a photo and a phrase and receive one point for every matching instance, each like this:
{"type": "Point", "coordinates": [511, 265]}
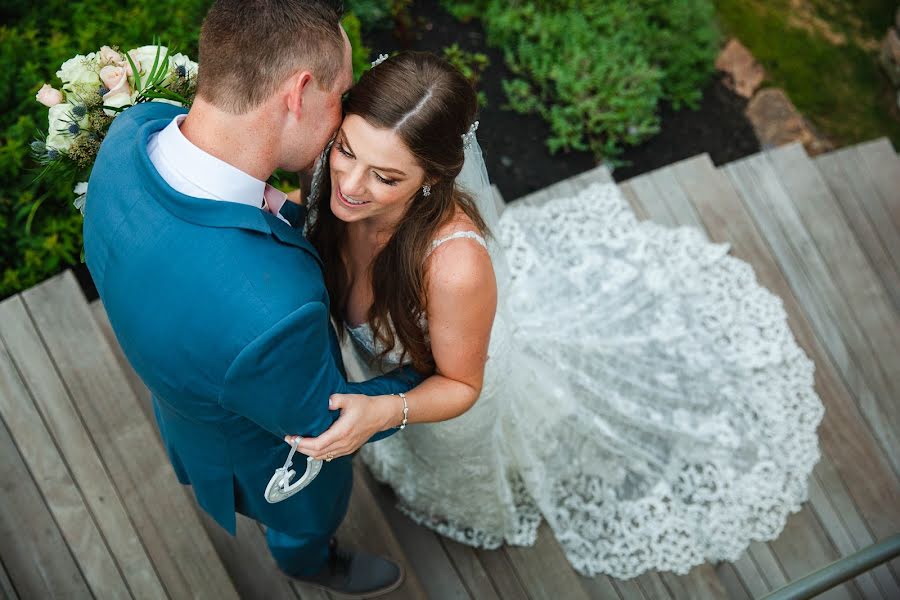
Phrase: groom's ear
{"type": "Point", "coordinates": [297, 87]}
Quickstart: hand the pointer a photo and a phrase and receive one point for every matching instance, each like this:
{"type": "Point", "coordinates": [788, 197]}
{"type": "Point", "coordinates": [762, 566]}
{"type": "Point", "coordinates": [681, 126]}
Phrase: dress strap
{"type": "Point", "coordinates": [472, 235]}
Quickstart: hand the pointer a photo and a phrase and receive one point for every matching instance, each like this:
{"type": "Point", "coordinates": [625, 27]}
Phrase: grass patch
{"type": "Point", "coordinates": [824, 54]}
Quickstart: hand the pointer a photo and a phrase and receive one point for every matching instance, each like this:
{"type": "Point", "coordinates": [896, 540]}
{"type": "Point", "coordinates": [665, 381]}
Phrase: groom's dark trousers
{"type": "Point", "coordinates": [222, 310]}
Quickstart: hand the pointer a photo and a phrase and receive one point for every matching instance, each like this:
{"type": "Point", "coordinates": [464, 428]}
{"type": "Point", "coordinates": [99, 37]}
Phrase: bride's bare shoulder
{"type": "Point", "coordinates": [460, 266]}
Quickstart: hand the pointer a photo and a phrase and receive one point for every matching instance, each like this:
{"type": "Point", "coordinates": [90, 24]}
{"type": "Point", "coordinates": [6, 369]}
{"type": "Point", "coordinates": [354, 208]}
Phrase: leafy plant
{"type": "Point", "coordinates": [353, 27]}
{"type": "Point", "coordinates": [596, 71]}
{"type": "Point", "coordinates": [471, 65]}
{"type": "Point", "coordinates": [40, 231]}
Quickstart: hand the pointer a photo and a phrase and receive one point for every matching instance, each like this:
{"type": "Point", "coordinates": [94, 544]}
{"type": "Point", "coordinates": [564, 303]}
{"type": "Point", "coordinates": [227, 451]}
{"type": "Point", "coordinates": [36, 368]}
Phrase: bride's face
{"type": "Point", "coordinates": [373, 174]}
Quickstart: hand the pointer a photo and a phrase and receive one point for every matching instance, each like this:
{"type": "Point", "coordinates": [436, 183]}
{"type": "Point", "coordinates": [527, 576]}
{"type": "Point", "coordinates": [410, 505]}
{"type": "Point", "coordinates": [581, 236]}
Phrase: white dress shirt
{"type": "Point", "coordinates": [195, 172]}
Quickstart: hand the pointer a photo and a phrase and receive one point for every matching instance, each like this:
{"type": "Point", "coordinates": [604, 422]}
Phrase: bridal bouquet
{"type": "Point", "coordinates": [95, 89]}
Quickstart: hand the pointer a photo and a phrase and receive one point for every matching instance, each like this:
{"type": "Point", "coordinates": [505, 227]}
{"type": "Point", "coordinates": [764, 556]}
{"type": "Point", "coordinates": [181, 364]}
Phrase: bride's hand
{"type": "Point", "coordinates": [361, 418]}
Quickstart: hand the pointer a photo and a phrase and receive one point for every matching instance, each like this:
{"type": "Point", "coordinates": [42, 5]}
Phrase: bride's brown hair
{"type": "Point", "coordinates": [429, 105]}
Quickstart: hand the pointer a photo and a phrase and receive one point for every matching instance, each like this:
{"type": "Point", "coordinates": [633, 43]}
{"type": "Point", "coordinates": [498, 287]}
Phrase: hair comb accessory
{"type": "Point", "coordinates": [381, 58]}
{"type": "Point", "coordinates": [469, 136]}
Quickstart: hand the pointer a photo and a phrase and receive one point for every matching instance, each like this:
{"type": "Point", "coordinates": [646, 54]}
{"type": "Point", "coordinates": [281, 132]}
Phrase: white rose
{"type": "Point", "coordinates": [145, 56]}
{"type": "Point", "coordinates": [120, 94]}
{"type": "Point", "coordinates": [80, 69]}
{"type": "Point", "coordinates": [58, 136]}
{"type": "Point", "coordinates": [80, 192]}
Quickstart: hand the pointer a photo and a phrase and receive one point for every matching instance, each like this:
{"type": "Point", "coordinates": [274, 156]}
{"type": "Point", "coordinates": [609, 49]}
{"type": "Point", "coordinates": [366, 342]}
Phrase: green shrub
{"type": "Point", "coordinates": [596, 71]}
{"type": "Point", "coordinates": [40, 230]}
{"type": "Point", "coordinates": [471, 65]}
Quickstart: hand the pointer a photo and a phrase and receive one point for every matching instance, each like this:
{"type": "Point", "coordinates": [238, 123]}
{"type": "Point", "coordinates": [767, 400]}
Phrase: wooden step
{"type": "Point", "coordinates": [566, 187]}
{"type": "Point", "coordinates": [857, 177]}
{"type": "Point", "coordinates": [246, 556]}
{"type": "Point", "coordinates": [714, 203]}
{"type": "Point", "coordinates": [94, 456]}
{"type": "Point", "coordinates": [854, 476]}
{"type": "Point", "coordinates": [837, 287]}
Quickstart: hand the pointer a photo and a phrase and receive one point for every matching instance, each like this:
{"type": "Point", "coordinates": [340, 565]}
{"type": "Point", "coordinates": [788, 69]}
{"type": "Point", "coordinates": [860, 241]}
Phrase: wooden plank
{"type": "Point", "coordinates": [166, 522]}
{"type": "Point", "coordinates": [843, 433]}
{"type": "Point", "coordinates": [426, 554]}
{"type": "Point", "coordinates": [7, 592]}
{"type": "Point", "coordinates": [470, 570]}
{"type": "Point", "coordinates": [75, 444]}
{"type": "Point", "coordinates": [626, 589]}
{"type": "Point", "coordinates": [652, 203]}
{"type": "Point", "coordinates": [365, 527]}
{"type": "Point", "coordinates": [701, 582]}
{"type": "Point", "coordinates": [33, 552]}
{"type": "Point", "coordinates": [734, 584]}
{"type": "Point", "coordinates": [853, 472]}
{"type": "Point", "coordinates": [503, 574]}
{"type": "Point", "coordinates": [836, 530]}
{"type": "Point", "coordinates": [765, 198]}
{"type": "Point", "coordinates": [544, 570]}
{"type": "Point", "coordinates": [63, 497]}
{"type": "Point", "coordinates": [884, 169]}
{"type": "Point", "coordinates": [861, 288]}
{"type": "Point", "coordinates": [137, 386]}
{"type": "Point", "coordinates": [247, 559]}
{"type": "Point", "coordinates": [653, 586]}
{"type": "Point", "coordinates": [852, 520]}
{"type": "Point", "coordinates": [245, 556]}
{"type": "Point", "coordinates": [852, 189]}
{"type": "Point", "coordinates": [567, 186]}
{"type": "Point", "coordinates": [659, 197]}
{"type": "Point", "coordinates": [803, 547]}
{"type": "Point", "coordinates": [666, 193]}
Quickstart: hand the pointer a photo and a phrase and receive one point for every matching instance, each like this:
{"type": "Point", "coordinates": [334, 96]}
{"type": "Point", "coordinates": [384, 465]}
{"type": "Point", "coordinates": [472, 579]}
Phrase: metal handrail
{"type": "Point", "coordinates": [839, 571]}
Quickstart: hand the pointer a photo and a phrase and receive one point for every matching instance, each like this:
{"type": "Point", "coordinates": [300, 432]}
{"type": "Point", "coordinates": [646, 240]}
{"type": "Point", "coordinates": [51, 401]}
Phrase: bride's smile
{"type": "Point", "coordinates": [373, 174]}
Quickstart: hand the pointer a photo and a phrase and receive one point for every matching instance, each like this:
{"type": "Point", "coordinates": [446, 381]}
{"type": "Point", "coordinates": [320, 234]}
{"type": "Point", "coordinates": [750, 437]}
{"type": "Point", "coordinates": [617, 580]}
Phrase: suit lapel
{"type": "Point", "coordinates": [211, 213]}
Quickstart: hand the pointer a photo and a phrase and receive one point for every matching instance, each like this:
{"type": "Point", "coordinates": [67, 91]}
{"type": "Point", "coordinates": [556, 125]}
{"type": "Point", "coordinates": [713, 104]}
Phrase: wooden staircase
{"type": "Point", "coordinates": [89, 506]}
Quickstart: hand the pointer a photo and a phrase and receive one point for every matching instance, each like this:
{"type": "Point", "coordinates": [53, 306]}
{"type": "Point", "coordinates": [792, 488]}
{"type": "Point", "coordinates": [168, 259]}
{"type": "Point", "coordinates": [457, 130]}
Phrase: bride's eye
{"type": "Point", "coordinates": [385, 181]}
{"type": "Point", "coordinates": [342, 150]}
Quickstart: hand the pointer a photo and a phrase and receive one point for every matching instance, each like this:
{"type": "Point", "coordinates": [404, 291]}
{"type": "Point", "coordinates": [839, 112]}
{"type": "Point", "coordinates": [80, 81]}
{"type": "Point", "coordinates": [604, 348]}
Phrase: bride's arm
{"type": "Point", "coordinates": [462, 301]}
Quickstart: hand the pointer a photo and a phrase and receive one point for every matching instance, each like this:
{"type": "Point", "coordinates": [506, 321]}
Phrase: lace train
{"type": "Point", "coordinates": [643, 394]}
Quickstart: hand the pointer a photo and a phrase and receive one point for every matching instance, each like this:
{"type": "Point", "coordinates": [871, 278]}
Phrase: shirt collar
{"type": "Point", "coordinates": [220, 180]}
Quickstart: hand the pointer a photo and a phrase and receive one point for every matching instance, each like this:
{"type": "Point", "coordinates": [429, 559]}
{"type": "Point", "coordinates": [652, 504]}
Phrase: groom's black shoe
{"type": "Point", "coordinates": [356, 574]}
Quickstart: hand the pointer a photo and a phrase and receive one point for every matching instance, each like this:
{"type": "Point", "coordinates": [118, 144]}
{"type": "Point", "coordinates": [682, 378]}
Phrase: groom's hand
{"type": "Point", "coordinates": [361, 418]}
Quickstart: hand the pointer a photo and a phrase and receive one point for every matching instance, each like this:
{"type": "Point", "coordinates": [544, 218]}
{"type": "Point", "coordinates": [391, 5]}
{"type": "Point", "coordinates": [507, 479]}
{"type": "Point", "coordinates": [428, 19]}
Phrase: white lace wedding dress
{"type": "Point", "coordinates": [643, 394]}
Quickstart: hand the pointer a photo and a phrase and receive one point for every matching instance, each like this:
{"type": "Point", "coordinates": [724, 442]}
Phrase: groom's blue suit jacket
{"type": "Point", "coordinates": [222, 310]}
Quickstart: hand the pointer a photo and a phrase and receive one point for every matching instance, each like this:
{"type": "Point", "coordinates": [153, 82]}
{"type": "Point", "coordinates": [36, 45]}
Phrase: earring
{"type": "Point", "coordinates": [426, 190]}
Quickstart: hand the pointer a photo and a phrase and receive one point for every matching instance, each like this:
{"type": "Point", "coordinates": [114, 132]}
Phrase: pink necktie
{"type": "Point", "coordinates": [273, 200]}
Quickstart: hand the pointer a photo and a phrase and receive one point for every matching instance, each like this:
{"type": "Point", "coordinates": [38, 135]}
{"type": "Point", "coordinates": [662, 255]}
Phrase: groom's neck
{"type": "Point", "coordinates": [243, 141]}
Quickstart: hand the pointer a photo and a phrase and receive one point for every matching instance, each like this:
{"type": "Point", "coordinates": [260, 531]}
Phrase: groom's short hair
{"type": "Point", "coordinates": [249, 47]}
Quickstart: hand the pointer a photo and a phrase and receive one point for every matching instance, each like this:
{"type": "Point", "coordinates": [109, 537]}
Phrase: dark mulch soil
{"type": "Point", "coordinates": [515, 145]}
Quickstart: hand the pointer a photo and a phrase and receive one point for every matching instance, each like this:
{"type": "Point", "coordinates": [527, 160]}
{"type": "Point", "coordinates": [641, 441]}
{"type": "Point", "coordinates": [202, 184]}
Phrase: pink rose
{"type": "Point", "coordinates": [114, 77]}
{"type": "Point", "coordinates": [116, 81]}
{"type": "Point", "coordinates": [108, 56]}
{"type": "Point", "coordinates": [49, 96]}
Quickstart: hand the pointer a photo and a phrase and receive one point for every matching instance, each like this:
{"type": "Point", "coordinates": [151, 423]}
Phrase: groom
{"type": "Point", "coordinates": [216, 298]}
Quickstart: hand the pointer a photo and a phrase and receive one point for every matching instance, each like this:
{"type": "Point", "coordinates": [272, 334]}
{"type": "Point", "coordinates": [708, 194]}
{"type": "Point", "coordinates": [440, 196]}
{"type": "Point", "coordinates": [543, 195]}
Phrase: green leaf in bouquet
{"type": "Point", "coordinates": [152, 78]}
{"type": "Point", "coordinates": [134, 69]}
{"type": "Point", "coordinates": [164, 94]}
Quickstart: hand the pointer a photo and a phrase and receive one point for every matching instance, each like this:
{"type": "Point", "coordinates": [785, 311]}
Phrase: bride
{"type": "Point", "coordinates": [630, 384]}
